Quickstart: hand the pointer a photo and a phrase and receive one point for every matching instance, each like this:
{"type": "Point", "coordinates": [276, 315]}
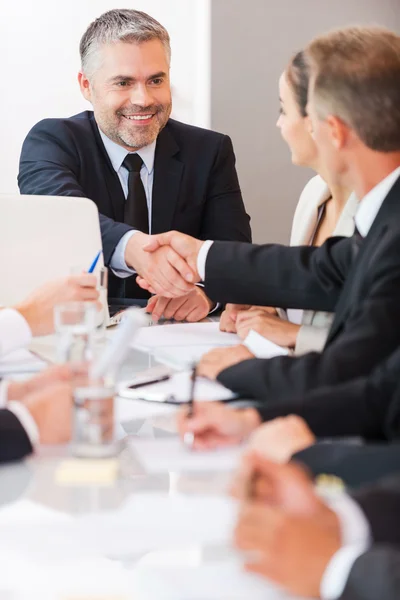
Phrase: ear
{"type": "Point", "coordinates": [85, 86]}
{"type": "Point", "coordinates": [338, 130]}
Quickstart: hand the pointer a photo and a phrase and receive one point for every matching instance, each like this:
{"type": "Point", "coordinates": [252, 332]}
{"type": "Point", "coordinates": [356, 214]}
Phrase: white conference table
{"type": "Point", "coordinates": [34, 480]}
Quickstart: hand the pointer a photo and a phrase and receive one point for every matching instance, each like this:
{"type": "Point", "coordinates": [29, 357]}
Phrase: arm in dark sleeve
{"type": "Point", "coordinates": [274, 275]}
{"type": "Point", "coordinates": [356, 464]}
{"type": "Point", "coordinates": [367, 407]}
{"type": "Point", "coordinates": [375, 574]}
{"type": "Point", "coordinates": [225, 215]}
{"type": "Point", "coordinates": [368, 336]}
{"type": "Point", "coordinates": [50, 166]}
{"type": "Point", "coordinates": [380, 503]}
{"type": "Point", "coordinates": [14, 441]}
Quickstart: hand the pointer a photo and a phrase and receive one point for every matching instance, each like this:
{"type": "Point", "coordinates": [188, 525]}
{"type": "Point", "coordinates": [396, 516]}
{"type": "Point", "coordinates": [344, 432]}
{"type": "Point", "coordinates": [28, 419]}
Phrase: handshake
{"type": "Point", "coordinates": [168, 264]}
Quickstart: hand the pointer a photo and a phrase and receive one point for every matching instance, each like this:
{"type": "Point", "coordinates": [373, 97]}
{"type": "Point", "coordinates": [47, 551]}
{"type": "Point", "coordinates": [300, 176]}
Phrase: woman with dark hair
{"type": "Point", "coordinates": [324, 209]}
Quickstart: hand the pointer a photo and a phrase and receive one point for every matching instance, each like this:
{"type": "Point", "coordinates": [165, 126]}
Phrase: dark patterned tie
{"type": "Point", "coordinates": [136, 213]}
{"type": "Point", "coordinates": [357, 240]}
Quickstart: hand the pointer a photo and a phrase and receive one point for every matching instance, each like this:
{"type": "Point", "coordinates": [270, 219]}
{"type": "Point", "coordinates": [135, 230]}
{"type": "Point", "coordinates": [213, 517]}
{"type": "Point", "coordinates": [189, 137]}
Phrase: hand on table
{"type": "Point", "coordinates": [17, 390]}
{"type": "Point", "coordinates": [280, 438]}
{"type": "Point", "coordinates": [192, 308]}
{"type": "Point", "coordinates": [291, 534]}
{"type": "Point", "coordinates": [214, 362]}
{"type": "Point", "coordinates": [281, 332]}
{"type": "Point", "coordinates": [38, 308]}
{"type": "Point", "coordinates": [215, 425]}
{"type": "Point", "coordinates": [51, 409]}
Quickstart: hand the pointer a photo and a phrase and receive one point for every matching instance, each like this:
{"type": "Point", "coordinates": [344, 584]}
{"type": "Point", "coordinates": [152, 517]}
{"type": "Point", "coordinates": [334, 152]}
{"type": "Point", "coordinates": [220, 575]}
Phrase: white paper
{"type": "Point", "coordinates": [179, 387]}
{"type": "Point", "coordinates": [145, 522]}
{"type": "Point", "coordinates": [184, 334]}
{"type": "Point", "coordinates": [170, 454]}
{"type": "Point", "coordinates": [217, 580]}
{"type": "Point", "coordinates": [21, 361]}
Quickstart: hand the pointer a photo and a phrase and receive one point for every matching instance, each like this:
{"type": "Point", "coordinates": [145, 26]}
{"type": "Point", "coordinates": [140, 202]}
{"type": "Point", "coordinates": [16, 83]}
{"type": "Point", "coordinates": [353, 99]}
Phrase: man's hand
{"type": "Point", "coordinates": [215, 425]}
{"type": "Point", "coordinates": [183, 245]}
{"type": "Point", "coordinates": [17, 390]}
{"type": "Point", "coordinates": [192, 308]}
{"type": "Point", "coordinates": [162, 271]}
{"type": "Point", "coordinates": [280, 438]}
{"type": "Point", "coordinates": [51, 408]}
{"type": "Point", "coordinates": [38, 308]}
{"type": "Point", "coordinates": [283, 333]}
{"type": "Point", "coordinates": [291, 550]}
{"type": "Point", "coordinates": [290, 528]}
{"type": "Point", "coordinates": [219, 359]}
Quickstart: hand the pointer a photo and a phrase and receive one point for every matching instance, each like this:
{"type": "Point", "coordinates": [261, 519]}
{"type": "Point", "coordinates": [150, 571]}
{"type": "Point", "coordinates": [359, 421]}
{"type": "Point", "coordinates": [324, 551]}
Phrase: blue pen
{"type": "Point", "coordinates": [94, 263]}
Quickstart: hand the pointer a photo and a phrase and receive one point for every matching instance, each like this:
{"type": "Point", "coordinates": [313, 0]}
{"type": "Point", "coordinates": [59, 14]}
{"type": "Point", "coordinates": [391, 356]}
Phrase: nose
{"type": "Point", "coordinates": [141, 95]}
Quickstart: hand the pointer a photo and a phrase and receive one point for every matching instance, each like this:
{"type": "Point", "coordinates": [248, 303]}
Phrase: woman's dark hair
{"type": "Point", "coordinates": [297, 74]}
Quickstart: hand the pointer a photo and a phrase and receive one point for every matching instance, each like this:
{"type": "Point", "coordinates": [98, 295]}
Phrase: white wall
{"type": "Point", "coordinates": [40, 59]}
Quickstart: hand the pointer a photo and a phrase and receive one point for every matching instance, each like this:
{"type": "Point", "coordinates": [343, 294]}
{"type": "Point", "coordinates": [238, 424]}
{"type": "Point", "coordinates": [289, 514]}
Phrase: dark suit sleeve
{"type": "Point", "coordinates": [375, 574]}
{"type": "Point", "coordinates": [380, 503]}
{"type": "Point", "coordinates": [225, 216]}
{"type": "Point", "coordinates": [50, 166]}
{"type": "Point", "coordinates": [356, 464]}
{"type": "Point", "coordinates": [369, 331]}
{"type": "Point", "coordinates": [14, 442]}
{"type": "Point", "coordinates": [371, 405]}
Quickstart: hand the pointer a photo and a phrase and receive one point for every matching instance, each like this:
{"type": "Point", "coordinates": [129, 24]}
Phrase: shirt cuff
{"type": "Point", "coordinates": [3, 393]}
{"type": "Point", "coordinates": [217, 305]}
{"type": "Point", "coordinates": [26, 420]}
{"type": "Point", "coordinates": [117, 262]}
{"type": "Point", "coordinates": [202, 258]}
{"type": "Point", "coordinates": [261, 347]}
{"type": "Point", "coordinates": [338, 570]}
{"type": "Point", "coordinates": [15, 332]}
{"type": "Point", "coordinates": [354, 526]}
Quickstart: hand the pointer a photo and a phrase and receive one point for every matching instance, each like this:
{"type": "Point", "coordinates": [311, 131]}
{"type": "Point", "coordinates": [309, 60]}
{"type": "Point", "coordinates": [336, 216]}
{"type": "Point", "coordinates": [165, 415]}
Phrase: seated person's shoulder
{"type": "Point", "coordinates": [189, 135]}
{"type": "Point", "coordinates": [75, 125]}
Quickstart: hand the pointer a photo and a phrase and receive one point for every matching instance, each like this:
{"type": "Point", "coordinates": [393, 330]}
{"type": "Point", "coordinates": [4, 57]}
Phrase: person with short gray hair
{"type": "Point", "coordinates": [146, 172]}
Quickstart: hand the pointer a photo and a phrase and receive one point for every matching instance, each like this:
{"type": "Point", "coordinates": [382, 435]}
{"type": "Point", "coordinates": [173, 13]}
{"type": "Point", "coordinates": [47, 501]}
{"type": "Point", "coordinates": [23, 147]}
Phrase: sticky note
{"type": "Point", "coordinates": [80, 471]}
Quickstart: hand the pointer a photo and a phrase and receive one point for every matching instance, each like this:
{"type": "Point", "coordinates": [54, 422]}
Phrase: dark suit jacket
{"type": "Point", "coordinates": [14, 442]}
{"type": "Point", "coordinates": [195, 187]}
{"type": "Point", "coordinates": [375, 574]}
{"type": "Point", "coordinates": [367, 406]}
{"type": "Point", "coordinates": [356, 464]}
{"type": "Point", "coordinates": [363, 289]}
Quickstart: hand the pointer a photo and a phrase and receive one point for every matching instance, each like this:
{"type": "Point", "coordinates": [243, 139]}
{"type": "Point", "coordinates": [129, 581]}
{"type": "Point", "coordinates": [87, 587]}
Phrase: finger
{"type": "Point", "coordinates": [160, 308]}
{"type": "Point", "coordinates": [156, 241]}
{"type": "Point", "coordinates": [181, 266]}
{"type": "Point", "coordinates": [171, 281]}
{"type": "Point", "coordinates": [151, 304]}
{"type": "Point", "coordinates": [196, 315]}
{"type": "Point", "coordinates": [143, 283]}
{"type": "Point", "coordinates": [182, 311]}
{"type": "Point", "coordinates": [173, 306]}
{"type": "Point", "coordinates": [84, 280]}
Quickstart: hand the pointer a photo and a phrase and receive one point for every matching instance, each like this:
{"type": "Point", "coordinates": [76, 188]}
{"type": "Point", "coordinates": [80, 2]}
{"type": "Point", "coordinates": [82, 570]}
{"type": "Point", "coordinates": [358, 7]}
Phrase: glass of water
{"type": "Point", "coordinates": [75, 326]}
{"type": "Point", "coordinates": [93, 429]}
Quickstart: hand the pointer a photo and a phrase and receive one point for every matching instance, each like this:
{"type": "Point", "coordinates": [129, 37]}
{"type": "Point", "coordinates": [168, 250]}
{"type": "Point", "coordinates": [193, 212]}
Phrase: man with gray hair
{"type": "Point", "coordinates": [146, 172]}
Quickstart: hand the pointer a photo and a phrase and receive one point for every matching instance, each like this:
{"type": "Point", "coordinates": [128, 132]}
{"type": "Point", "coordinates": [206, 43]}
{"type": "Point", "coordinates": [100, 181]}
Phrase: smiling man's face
{"type": "Point", "coordinates": [130, 92]}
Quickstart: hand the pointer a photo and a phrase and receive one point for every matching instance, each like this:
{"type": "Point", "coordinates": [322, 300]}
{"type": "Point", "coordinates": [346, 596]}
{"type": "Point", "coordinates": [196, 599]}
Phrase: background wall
{"type": "Point", "coordinates": [39, 42]}
{"type": "Point", "coordinates": [252, 40]}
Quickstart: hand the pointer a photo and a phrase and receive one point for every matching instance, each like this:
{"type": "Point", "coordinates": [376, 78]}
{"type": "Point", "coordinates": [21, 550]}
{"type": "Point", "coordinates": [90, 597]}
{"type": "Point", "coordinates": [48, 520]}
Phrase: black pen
{"type": "Point", "coordinates": [188, 438]}
{"type": "Point", "coordinates": [134, 386]}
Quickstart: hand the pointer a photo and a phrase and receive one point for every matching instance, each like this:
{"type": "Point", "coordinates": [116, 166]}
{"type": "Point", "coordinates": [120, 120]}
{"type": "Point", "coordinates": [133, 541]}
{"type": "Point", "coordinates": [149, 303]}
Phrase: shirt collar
{"type": "Point", "coordinates": [372, 202]}
{"type": "Point", "coordinates": [117, 153]}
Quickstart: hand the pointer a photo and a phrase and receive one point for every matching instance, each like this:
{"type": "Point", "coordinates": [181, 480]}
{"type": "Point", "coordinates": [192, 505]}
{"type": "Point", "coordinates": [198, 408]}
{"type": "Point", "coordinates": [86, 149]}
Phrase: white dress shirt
{"type": "Point", "coordinates": [117, 155]}
{"type": "Point", "coordinates": [15, 333]}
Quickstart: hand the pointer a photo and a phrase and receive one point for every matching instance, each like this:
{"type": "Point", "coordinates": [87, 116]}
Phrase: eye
{"type": "Point", "coordinates": [157, 81]}
{"type": "Point", "coordinates": [281, 111]}
{"type": "Point", "coordinates": [122, 83]}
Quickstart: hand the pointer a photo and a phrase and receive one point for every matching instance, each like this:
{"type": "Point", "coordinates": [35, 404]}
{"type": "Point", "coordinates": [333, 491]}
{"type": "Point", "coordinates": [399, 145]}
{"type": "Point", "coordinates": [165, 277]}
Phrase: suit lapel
{"type": "Point", "coordinates": [168, 170]}
{"type": "Point", "coordinates": [388, 213]}
{"type": "Point", "coordinates": [115, 192]}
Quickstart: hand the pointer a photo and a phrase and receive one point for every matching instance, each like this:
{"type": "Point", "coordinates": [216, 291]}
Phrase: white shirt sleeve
{"type": "Point", "coordinates": [15, 332]}
{"type": "Point", "coordinates": [117, 262]}
{"type": "Point", "coordinates": [261, 347]}
{"type": "Point", "coordinates": [26, 420]}
{"type": "Point", "coordinates": [3, 393]}
{"type": "Point", "coordinates": [202, 258]}
{"type": "Point", "coordinates": [356, 539]}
